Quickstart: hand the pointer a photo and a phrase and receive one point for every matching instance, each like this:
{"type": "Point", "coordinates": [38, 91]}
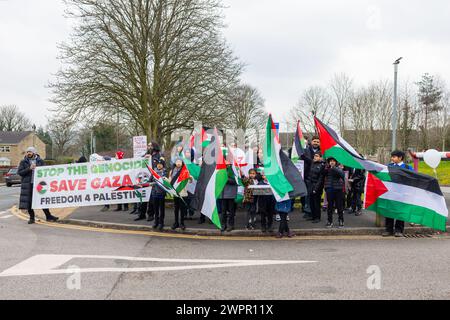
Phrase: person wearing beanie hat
{"type": "Point", "coordinates": [26, 171]}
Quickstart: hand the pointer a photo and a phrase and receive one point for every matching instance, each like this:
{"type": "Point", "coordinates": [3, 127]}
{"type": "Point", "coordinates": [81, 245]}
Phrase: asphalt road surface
{"type": "Point", "coordinates": [44, 262]}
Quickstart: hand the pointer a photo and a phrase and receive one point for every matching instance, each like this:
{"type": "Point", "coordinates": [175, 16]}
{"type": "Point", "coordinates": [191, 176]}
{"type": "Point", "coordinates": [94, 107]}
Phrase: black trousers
{"type": "Point", "coordinates": [284, 226]}
{"type": "Point", "coordinates": [31, 211]}
{"type": "Point", "coordinates": [32, 215]}
{"type": "Point", "coordinates": [335, 200]}
{"type": "Point", "coordinates": [399, 225]}
{"type": "Point", "coordinates": [159, 209]}
{"type": "Point", "coordinates": [189, 200]}
{"type": "Point", "coordinates": [251, 212]}
{"type": "Point", "coordinates": [146, 208]}
{"type": "Point", "coordinates": [228, 209]}
{"type": "Point", "coordinates": [266, 208]}
{"type": "Point", "coordinates": [125, 206]}
{"type": "Point", "coordinates": [180, 207]}
{"type": "Point", "coordinates": [315, 204]}
{"type": "Point", "coordinates": [356, 200]}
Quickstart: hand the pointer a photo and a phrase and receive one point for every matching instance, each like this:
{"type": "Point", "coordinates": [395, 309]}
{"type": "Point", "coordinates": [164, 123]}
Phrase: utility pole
{"type": "Point", "coordinates": [394, 106]}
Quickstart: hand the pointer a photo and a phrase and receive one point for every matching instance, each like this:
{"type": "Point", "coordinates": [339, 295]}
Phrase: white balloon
{"type": "Point", "coordinates": [432, 158]}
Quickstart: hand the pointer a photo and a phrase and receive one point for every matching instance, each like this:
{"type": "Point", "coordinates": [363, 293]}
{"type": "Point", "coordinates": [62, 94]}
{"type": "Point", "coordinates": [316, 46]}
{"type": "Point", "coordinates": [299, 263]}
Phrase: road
{"type": "Point", "coordinates": [44, 262]}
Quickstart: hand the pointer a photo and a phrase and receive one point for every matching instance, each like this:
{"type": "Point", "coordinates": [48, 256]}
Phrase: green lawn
{"type": "Point", "coordinates": [443, 171]}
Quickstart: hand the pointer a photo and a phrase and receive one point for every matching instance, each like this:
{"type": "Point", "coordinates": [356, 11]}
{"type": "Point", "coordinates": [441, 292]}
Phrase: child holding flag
{"type": "Point", "coordinates": [158, 196]}
{"type": "Point", "coordinates": [250, 200]}
{"type": "Point", "coordinates": [179, 178]}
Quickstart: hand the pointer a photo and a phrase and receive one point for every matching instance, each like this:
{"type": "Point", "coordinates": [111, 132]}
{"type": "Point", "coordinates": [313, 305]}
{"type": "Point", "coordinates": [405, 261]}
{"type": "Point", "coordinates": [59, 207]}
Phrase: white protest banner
{"type": "Point", "coordinates": [300, 164]}
{"type": "Point", "coordinates": [90, 184]}
{"type": "Point", "coordinates": [139, 146]}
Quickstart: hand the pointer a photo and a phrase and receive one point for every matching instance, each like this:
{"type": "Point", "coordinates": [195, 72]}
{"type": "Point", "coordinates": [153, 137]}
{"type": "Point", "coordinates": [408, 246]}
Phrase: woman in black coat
{"type": "Point", "coordinates": [26, 171]}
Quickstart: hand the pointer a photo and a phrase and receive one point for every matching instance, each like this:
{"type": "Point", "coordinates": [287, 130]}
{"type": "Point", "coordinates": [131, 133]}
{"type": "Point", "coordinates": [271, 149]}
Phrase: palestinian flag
{"type": "Point", "coordinates": [390, 191]}
{"type": "Point", "coordinates": [236, 172]}
{"type": "Point", "coordinates": [181, 179]}
{"type": "Point", "coordinates": [212, 180]}
{"type": "Point", "coordinates": [406, 195]}
{"type": "Point", "coordinates": [284, 178]}
{"type": "Point", "coordinates": [332, 145]}
{"type": "Point", "coordinates": [298, 149]}
{"type": "Point", "coordinates": [163, 183]}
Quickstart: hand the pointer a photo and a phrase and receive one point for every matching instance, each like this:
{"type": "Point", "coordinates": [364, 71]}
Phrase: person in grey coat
{"type": "Point", "coordinates": [26, 171]}
{"type": "Point", "coordinates": [227, 201]}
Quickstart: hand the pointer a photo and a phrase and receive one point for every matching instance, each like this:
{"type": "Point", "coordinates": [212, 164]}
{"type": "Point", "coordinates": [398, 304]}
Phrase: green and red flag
{"type": "Point", "coordinates": [406, 195]}
{"type": "Point", "coordinates": [211, 181]}
{"type": "Point", "coordinates": [237, 173]}
{"type": "Point", "coordinates": [284, 178]}
{"type": "Point", "coordinates": [298, 148]}
{"type": "Point", "coordinates": [393, 192]}
{"type": "Point", "coordinates": [162, 182]}
{"type": "Point", "coordinates": [181, 179]}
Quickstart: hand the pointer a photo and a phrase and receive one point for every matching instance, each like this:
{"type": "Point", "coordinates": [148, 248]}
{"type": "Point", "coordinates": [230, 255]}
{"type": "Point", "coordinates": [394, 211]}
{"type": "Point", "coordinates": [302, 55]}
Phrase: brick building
{"type": "Point", "coordinates": [14, 144]}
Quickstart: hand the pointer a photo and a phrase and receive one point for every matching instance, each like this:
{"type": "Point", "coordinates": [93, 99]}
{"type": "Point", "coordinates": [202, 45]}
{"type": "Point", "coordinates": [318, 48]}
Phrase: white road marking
{"type": "Point", "coordinates": [47, 265]}
{"type": "Point", "coordinates": [3, 212]}
{"type": "Point", "coordinates": [6, 217]}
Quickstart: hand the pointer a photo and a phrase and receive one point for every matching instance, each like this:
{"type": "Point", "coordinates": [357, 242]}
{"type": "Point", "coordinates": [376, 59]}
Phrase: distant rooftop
{"type": "Point", "coordinates": [13, 137]}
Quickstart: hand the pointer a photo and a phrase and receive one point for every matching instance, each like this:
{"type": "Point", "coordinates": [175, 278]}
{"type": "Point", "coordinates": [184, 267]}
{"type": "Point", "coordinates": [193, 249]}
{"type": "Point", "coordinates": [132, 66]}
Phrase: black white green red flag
{"type": "Point", "coordinates": [211, 181]}
{"type": "Point", "coordinates": [298, 149]}
{"type": "Point", "coordinates": [284, 178]}
{"type": "Point", "coordinates": [393, 192]}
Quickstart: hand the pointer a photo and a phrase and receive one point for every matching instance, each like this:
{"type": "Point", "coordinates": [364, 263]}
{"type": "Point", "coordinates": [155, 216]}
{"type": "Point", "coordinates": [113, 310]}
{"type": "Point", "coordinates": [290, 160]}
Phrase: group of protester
{"type": "Point", "coordinates": [339, 188]}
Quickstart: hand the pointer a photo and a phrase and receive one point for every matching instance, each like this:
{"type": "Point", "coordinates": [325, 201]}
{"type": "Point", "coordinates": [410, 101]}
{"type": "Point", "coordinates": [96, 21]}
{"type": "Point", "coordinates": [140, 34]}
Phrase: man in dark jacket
{"type": "Point", "coordinates": [26, 171]}
{"type": "Point", "coordinates": [316, 185]}
{"type": "Point", "coordinates": [307, 157]}
{"type": "Point", "coordinates": [334, 186]}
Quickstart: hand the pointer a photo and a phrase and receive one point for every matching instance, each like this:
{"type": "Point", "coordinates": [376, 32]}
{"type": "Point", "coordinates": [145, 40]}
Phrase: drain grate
{"type": "Point", "coordinates": [418, 235]}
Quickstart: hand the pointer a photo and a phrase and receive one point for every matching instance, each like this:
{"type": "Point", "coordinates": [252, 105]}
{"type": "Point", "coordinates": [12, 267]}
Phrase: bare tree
{"type": "Point", "coordinates": [341, 88]}
{"type": "Point", "coordinates": [13, 120]}
{"type": "Point", "coordinates": [314, 100]}
{"type": "Point", "coordinates": [63, 134]}
{"type": "Point", "coordinates": [161, 63]}
{"type": "Point", "coordinates": [246, 111]}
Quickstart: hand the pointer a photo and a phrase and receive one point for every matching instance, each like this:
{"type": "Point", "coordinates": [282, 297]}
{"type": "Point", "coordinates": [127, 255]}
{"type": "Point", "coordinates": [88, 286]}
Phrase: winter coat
{"type": "Point", "coordinates": [230, 190]}
{"type": "Point", "coordinates": [308, 157]}
{"type": "Point", "coordinates": [26, 188]}
{"type": "Point", "coordinates": [248, 193]}
{"type": "Point", "coordinates": [359, 178]}
{"type": "Point", "coordinates": [316, 177]}
{"type": "Point", "coordinates": [157, 191]}
{"type": "Point", "coordinates": [334, 179]}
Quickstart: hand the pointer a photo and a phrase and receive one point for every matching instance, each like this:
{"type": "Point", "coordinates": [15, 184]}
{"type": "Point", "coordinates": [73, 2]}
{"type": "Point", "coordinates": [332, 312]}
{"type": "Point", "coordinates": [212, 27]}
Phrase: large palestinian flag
{"type": "Point", "coordinates": [298, 149]}
{"type": "Point", "coordinates": [211, 181]}
{"type": "Point", "coordinates": [332, 145]}
{"type": "Point", "coordinates": [393, 192]}
{"type": "Point", "coordinates": [284, 178]}
{"type": "Point", "coordinates": [406, 195]}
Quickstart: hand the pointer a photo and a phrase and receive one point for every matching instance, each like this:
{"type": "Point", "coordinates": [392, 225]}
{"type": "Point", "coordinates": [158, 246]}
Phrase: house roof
{"type": "Point", "coordinates": [13, 137]}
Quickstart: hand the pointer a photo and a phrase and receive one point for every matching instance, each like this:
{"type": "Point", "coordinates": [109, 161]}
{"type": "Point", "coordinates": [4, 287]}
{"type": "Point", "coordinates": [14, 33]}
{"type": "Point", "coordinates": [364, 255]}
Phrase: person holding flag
{"type": "Point", "coordinates": [179, 178]}
{"type": "Point", "coordinates": [227, 199]}
{"type": "Point", "coordinates": [158, 194]}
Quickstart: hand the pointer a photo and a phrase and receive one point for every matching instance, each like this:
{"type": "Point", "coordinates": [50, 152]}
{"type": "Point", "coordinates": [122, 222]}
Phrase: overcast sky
{"type": "Point", "coordinates": [287, 45]}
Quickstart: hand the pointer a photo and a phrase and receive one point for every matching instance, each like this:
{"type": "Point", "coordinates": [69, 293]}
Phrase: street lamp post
{"type": "Point", "coordinates": [394, 106]}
